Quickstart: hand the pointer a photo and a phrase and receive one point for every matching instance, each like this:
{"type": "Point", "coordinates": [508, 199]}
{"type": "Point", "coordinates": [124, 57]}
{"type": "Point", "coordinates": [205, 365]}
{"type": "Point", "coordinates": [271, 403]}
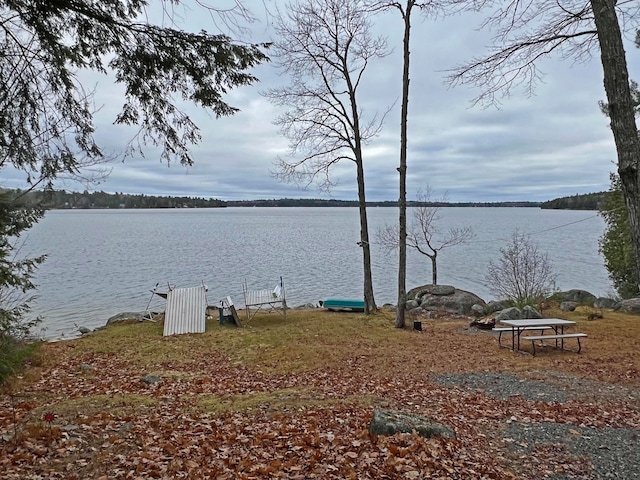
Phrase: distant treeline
{"type": "Point", "coordinates": [588, 201]}
{"type": "Point", "coordinates": [60, 199]}
{"type": "Point", "coordinates": [291, 202]}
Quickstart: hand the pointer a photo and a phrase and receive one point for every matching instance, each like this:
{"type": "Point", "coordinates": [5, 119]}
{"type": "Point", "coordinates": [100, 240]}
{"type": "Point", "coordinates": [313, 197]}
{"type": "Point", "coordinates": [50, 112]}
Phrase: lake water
{"type": "Point", "coordinates": [103, 262]}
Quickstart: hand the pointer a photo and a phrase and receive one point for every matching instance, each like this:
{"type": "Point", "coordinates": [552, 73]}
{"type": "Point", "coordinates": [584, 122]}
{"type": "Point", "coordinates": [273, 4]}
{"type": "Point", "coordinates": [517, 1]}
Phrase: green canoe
{"type": "Point", "coordinates": [344, 304]}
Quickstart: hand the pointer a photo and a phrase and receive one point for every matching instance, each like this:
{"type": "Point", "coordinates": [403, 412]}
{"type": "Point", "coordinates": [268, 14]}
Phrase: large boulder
{"type": "Point", "coordinates": [579, 296]}
{"type": "Point", "coordinates": [630, 305]}
{"type": "Point", "coordinates": [458, 301]}
{"type": "Point", "coordinates": [494, 306]}
{"type": "Point", "coordinates": [604, 302]}
{"type": "Point", "coordinates": [568, 306]}
{"type": "Point", "coordinates": [418, 292]}
{"type": "Point", "coordinates": [529, 312]}
{"type": "Point", "coordinates": [411, 304]}
{"type": "Point", "coordinates": [511, 313]}
{"type": "Point", "coordinates": [390, 422]}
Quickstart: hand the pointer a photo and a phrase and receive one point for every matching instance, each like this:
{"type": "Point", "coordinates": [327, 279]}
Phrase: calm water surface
{"type": "Point", "coordinates": [103, 262]}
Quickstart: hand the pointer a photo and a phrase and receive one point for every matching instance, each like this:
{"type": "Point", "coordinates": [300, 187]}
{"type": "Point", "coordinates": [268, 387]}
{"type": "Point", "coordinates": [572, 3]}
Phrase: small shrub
{"type": "Point", "coordinates": [522, 274]}
{"type": "Point", "coordinates": [13, 355]}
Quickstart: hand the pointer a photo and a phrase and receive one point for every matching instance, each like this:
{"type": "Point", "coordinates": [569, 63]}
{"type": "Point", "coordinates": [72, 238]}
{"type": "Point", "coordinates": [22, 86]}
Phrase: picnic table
{"type": "Point", "coordinates": [517, 327]}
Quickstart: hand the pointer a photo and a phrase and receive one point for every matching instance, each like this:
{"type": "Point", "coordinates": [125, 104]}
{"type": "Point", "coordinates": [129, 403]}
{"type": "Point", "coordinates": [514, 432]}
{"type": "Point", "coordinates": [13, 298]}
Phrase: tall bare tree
{"type": "Point", "coordinates": [325, 47]}
{"type": "Point", "coordinates": [529, 31]}
{"type": "Point", "coordinates": [402, 169]}
{"type": "Point", "coordinates": [423, 235]}
{"type": "Point", "coordinates": [405, 10]}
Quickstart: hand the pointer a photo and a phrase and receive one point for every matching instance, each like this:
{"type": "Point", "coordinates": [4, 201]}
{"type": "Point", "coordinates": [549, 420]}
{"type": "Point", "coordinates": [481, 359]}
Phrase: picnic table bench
{"type": "Point", "coordinates": [556, 337]}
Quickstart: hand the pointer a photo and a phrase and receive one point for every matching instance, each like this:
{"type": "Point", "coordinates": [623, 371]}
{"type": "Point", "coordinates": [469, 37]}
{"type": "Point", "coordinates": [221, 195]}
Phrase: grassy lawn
{"type": "Point", "coordinates": [292, 399]}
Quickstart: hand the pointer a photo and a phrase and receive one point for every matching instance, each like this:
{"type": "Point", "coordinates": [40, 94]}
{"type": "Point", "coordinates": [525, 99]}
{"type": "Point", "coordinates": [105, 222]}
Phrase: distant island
{"type": "Point", "coordinates": [61, 199]}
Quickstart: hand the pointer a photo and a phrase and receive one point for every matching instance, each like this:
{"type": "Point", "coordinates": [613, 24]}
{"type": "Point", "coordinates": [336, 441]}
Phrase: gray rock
{"type": "Point", "coordinates": [568, 306]}
{"type": "Point", "coordinates": [459, 302]}
{"type": "Point", "coordinates": [418, 292]}
{"type": "Point", "coordinates": [127, 317]}
{"type": "Point", "coordinates": [150, 379]}
{"type": "Point", "coordinates": [390, 422]}
{"type": "Point", "coordinates": [630, 305]}
{"type": "Point", "coordinates": [411, 304]}
{"type": "Point", "coordinates": [494, 306]}
{"type": "Point", "coordinates": [477, 309]}
{"type": "Point", "coordinates": [511, 313]}
{"type": "Point", "coordinates": [85, 367]}
{"type": "Point", "coordinates": [529, 312]}
{"type": "Point", "coordinates": [439, 289]}
{"type": "Point", "coordinates": [579, 296]}
{"type": "Point", "coordinates": [603, 302]}
{"type": "Point", "coordinates": [84, 330]}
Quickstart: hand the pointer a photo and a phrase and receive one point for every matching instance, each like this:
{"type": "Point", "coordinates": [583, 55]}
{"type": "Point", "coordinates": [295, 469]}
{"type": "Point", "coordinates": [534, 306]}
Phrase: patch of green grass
{"type": "Point", "coordinates": [121, 405]}
{"type": "Point", "coordinates": [277, 400]}
{"type": "Point", "coordinates": [304, 340]}
{"type": "Point", "coordinates": [308, 339]}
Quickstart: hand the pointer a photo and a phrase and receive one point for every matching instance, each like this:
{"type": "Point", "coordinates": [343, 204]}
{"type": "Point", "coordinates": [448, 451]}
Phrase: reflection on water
{"type": "Point", "coordinates": [103, 262]}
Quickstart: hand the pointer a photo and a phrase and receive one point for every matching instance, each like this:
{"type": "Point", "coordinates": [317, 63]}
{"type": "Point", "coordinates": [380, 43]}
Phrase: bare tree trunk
{"type": "Point", "coordinates": [434, 269]}
{"type": "Point", "coordinates": [369, 301]}
{"type": "Point", "coordinates": [621, 113]}
{"type": "Point", "coordinates": [402, 169]}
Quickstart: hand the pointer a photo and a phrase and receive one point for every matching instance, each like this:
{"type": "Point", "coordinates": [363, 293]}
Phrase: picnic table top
{"type": "Point", "coordinates": [534, 322]}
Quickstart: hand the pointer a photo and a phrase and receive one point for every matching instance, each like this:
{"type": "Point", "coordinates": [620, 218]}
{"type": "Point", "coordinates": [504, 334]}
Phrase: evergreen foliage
{"type": "Point", "coordinates": [46, 116]}
{"type": "Point", "coordinates": [588, 201]}
{"type": "Point", "coordinates": [615, 244]}
{"type": "Point", "coordinates": [16, 216]}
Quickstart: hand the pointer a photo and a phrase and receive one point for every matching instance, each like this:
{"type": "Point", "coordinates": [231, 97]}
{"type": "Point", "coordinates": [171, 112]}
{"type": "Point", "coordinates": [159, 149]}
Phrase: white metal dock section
{"type": "Point", "coordinates": [186, 310]}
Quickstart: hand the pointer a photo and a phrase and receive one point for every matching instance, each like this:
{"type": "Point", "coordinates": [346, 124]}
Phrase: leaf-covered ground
{"type": "Point", "coordinates": [292, 399]}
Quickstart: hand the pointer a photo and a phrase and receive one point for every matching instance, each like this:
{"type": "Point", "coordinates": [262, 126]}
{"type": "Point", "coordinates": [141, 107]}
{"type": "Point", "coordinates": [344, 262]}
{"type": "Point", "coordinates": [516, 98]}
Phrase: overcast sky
{"type": "Point", "coordinates": [553, 144]}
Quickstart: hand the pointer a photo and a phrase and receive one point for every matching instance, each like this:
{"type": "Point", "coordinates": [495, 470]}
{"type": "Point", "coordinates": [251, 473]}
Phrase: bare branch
{"type": "Point", "coordinates": [522, 274]}
{"type": "Point", "coordinates": [325, 49]}
{"type": "Point", "coordinates": [526, 32]}
{"type": "Point", "coordinates": [423, 235]}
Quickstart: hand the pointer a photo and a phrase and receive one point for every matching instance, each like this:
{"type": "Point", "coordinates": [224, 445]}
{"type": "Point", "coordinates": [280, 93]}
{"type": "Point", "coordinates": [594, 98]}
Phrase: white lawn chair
{"type": "Point", "coordinates": [265, 299]}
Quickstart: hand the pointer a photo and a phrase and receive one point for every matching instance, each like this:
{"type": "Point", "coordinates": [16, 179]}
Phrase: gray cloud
{"type": "Point", "coordinates": [551, 144]}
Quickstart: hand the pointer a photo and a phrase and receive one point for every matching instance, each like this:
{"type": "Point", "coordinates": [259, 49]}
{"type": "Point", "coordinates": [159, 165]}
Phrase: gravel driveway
{"type": "Point", "coordinates": [614, 453]}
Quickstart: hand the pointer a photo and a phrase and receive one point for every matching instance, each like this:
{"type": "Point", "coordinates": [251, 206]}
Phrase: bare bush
{"type": "Point", "coordinates": [522, 274]}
